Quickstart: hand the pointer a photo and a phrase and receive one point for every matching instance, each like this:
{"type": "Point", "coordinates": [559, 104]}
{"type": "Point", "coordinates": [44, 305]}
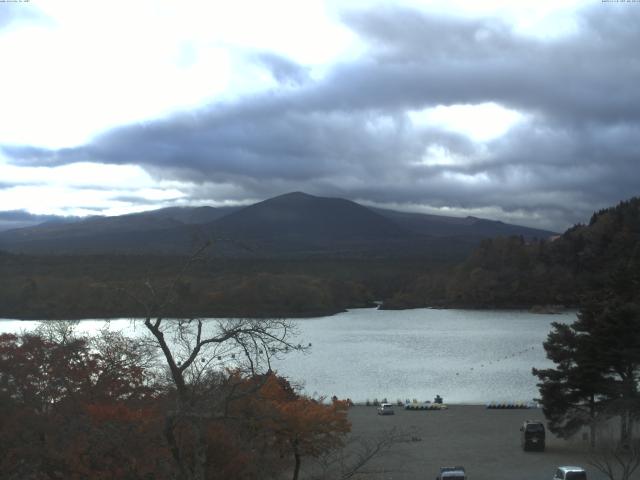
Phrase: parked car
{"type": "Point", "coordinates": [385, 409]}
{"type": "Point", "coordinates": [570, 473]}
{"type": "Point", "coordinates": [452, 473]}
{"type": "Point", "coordinates": [532, 435]}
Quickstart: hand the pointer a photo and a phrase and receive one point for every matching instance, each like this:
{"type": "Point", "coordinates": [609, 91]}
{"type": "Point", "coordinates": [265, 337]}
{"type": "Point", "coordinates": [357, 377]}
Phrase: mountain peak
{"type": "Point", "coordinates": [295, 194]}
{"type": "Point", "coordinates": [292, 196]}
{"type": "Point", "coordinates": [308, 219]}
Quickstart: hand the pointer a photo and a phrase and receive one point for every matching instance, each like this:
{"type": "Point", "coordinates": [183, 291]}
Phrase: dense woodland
{"type": "Point", "coordinates": [503, 272]}
{"type": "Point", "coordinates": [509, 272]}
{"type": "Point", "coordinates": [101, 286]}
{"type": "Point", "coordinates": [595, 381]}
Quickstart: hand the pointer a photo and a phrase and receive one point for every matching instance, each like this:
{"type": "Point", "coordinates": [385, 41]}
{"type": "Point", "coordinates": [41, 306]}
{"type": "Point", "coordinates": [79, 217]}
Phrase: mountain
{"type": "Point", "coordinates": [13, 219]}
{"type": "Point", "coordinates": [444, 226]}
{"type": "Point", "coordinates": [300, 222]}
{"type": "Point", "coordinates": [167, 230]}
{"type": "Point", "coordinates": [188, 215]}
{"type": "Point", "coordinates": [291, 224]}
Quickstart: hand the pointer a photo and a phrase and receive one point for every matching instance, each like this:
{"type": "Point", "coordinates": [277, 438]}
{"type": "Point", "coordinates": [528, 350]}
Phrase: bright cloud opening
{"type": "Point", "coordinates": [481, 122]}
{"type": "Point", "coordinates": [93, 66]}
{"type": "Point", "coordinates": [437, 155]}
{"type": "Point", "coordinates": [98, 188]}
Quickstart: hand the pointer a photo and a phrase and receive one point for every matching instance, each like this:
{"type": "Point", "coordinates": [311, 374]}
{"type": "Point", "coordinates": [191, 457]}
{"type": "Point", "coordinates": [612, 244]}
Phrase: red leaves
{"type": "Point", "coordinates": [310, 425]}
{"type": "Point", "coordinates": [73, 410]}
{"type": "Point", "coordinates": [67, 411]}
{"type": "Point", "coordinates": [101, 413]}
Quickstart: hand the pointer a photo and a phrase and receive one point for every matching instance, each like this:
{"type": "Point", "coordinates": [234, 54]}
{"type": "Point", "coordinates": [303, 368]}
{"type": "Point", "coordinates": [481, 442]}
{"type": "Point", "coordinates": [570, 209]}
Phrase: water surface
{"type": "Point", "coordinates": [466, 356]}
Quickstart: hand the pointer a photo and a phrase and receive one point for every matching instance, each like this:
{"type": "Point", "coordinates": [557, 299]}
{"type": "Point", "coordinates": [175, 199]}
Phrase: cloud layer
{"type": "Point", "coordinates": [350, 133]}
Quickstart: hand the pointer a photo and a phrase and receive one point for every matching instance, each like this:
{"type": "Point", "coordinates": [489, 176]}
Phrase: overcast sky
{"type": "Point", "coordinates": [527, 112]}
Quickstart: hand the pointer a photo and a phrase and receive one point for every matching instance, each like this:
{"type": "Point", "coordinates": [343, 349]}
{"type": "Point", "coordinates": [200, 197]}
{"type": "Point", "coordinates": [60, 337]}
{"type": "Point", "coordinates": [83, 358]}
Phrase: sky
{"type": "Point", "coordinates": [526, 112]}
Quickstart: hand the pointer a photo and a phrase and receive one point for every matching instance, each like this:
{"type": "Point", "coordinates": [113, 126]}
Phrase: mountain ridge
{"type": "Point", "coordinates": [293, 222]}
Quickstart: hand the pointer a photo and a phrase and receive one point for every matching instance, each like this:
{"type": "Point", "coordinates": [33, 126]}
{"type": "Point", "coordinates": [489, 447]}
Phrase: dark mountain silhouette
{"type": "Point", "coordinates": [168, 230]}
{"type": "Point", "coordinates": [13, 219]}
{"type": "Point", "coordinates": [444, 226]}
{"type": "Point", "coordinates": [189, 215]}
{"type": "Point", "coordinates": [294, 223]}
{"type": "Point", "coordinates": [297, 221]}
{"type": "Point", "coordinates": [301, 216]}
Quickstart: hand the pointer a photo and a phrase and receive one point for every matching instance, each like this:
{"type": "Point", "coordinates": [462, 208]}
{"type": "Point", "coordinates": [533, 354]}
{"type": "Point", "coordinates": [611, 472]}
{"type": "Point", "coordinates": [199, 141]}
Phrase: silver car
{"type": "Point", "coordinates": [570, 473]}
{"type": "Point", "coordinates": [452, 473]}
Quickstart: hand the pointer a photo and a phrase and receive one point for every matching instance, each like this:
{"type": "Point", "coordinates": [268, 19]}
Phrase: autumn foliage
{"type": "Point", "coordinates": [78, 409]}
{"type": "Point", "coordinates": [53, 398]}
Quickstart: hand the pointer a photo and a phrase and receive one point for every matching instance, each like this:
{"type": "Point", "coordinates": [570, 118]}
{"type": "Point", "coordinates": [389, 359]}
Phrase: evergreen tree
{"type": "Point", "coordinates": [597, 359]}
{"type": "Point", "coordinates": [572, 393]}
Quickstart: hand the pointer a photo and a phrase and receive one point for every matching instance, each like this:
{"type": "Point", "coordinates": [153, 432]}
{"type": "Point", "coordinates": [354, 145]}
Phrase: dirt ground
{"type": "Point", "coordinates": [486, 442]}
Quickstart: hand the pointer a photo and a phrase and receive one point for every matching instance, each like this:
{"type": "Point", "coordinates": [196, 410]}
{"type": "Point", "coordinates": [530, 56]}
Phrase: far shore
{"type": "Point", "coordinates": [536, 309]}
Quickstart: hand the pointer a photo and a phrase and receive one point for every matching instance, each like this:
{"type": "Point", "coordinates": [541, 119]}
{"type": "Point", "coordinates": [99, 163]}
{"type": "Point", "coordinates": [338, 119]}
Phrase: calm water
{"type": "Point", "coordinates": [465, 356]}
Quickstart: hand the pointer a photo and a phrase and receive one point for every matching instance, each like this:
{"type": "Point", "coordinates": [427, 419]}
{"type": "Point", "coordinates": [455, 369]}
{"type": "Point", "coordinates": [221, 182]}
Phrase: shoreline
{"type": "Point", "coordinates": [304, 315]}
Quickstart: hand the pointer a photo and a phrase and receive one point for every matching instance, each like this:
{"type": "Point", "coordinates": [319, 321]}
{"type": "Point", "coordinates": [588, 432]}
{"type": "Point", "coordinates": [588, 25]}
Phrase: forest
{"type": "Point", "coordinates": [502, 272]}
{"type": "Point", "coordinates": [509, 272]}
{"type": "Point", "coordinates": [97, 286]}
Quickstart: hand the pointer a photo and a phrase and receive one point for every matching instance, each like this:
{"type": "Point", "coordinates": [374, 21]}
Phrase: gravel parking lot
{"type": "Point", "coordinates": [486, 442]}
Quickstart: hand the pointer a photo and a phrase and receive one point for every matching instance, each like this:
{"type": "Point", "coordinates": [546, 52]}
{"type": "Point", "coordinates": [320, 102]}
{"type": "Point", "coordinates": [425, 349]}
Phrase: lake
{"type": "Point", "coordinates": [466, 356]}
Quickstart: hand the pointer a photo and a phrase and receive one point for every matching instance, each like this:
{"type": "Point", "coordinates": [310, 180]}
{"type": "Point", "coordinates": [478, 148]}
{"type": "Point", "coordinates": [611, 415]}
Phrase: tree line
{"type": "Point", "coordinates": [595, 382]}
{"type": "Point", "coordinates": [76, 286]}
{"type": "Point", "coordinates": [187, 399]}
{"type": "Point", "coordinates": [509, 272]}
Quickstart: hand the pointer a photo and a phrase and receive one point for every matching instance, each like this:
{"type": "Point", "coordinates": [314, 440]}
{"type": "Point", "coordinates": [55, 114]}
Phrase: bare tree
{"type": "Point", "coordinates": [617, 460]}
{"type": "Point", "coordinates": [350, 460]}
{"type": "Point", "coordinates": [197, 354]}
{"type": "Point", "coordinates": [59, 331]}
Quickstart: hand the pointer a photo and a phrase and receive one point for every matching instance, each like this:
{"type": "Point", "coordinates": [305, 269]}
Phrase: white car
{"type": "Point", "coordinates": [385, 409]}
{"type": "Point", "coordinates": [452, 473]}
{"type": "Point", "coordinates": [570, 473]}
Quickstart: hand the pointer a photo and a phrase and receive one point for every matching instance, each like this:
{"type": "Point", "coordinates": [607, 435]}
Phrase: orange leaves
{"type": "Point", "coordinates": [67, 412]}
{"type": "Point", "coordinates": [310, 426]}
{"type": "Point", "coordinates": [87, 412]}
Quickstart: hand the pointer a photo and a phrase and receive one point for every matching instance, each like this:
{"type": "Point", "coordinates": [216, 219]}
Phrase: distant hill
{"type": "Point", "coordinates": [169, 230]}
{"type": "Point", "coordinates": [444, 226]}
{"type": "Point", "coordinates": [188, 215]}
{"type": "Point", "coordinates": [290, 224]}
{"type": "Point", "coordinates": [13, 219]}
{"type": "Point", "coordinates": [515, 273]}
{"type": "Point", "coordinates": [301, 222]}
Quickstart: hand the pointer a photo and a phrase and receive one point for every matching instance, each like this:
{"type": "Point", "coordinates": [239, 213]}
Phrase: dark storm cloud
{"type": "Point", "coordinates": [138, 200]}
{"type": "Point", "coordinates": [589, 75]}
{"type": "Point", "coordinates": [349, 135]}
{"type": "Point", "coordinates": [282, 69]}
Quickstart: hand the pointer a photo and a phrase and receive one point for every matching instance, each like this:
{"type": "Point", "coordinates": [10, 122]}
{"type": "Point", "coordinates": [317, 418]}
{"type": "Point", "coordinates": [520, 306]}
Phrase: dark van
{"type": "Point", "coordinates": [532, 435]}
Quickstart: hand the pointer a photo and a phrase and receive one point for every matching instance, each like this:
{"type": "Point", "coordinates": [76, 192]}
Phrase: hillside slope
{"type": "Point", "coordinates": [469, 227]}
{"type": "Point", "coordinates": [291, 224]}
{"type": "Point", "coordinates": [513, 273]}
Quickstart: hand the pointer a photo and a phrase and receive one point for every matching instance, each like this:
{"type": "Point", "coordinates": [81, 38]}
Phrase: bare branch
{"type": "Point", "coordinates": [346, 462]}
